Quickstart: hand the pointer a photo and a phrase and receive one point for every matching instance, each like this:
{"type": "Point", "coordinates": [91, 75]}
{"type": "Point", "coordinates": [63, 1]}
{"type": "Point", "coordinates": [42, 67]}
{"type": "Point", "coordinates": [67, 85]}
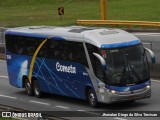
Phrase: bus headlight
{"type": "Point", "coordinates": [113, 91]}
{"type": "Point", "coordinates": [148, 86]}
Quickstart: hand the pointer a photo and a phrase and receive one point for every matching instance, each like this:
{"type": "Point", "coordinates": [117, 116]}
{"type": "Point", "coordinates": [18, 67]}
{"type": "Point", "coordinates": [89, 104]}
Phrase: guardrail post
{"type": "Point", "coordinates": [103, 9]}
{"type": "Point", "coordinates": [1, 36]}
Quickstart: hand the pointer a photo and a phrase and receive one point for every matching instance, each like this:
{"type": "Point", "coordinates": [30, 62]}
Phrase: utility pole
{"type": "Point", "coordinates": [103, 9]}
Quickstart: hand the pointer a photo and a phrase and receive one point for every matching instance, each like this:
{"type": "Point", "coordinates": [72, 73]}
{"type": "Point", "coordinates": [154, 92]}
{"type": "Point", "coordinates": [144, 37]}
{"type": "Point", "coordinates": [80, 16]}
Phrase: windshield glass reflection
{"type": "Point", "coordinates": [126, 66]}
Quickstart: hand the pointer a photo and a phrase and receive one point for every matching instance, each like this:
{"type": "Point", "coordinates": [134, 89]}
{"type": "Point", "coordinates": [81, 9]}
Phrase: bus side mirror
{"type": "Point", "coordinates": [153, 58]}
{"type": "Point", "coordinates": [103, 62]}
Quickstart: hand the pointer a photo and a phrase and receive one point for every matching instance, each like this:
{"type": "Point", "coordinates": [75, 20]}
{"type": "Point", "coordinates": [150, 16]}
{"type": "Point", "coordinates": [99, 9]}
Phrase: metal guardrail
{"type": "Point", "coordinates": [119, 22]}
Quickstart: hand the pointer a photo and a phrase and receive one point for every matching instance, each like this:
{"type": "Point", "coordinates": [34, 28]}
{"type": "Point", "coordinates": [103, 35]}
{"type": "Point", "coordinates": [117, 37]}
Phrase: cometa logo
{"type": "Point", "coordinates": [63, 68]}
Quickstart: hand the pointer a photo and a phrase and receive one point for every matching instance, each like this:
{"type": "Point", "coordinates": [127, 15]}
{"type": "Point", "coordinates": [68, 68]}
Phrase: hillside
{"type": "Point", "coordinates": [44, 12]}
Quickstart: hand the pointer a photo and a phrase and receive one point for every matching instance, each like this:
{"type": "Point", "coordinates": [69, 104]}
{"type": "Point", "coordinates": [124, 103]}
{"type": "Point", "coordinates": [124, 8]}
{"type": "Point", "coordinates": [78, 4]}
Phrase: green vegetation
{"type": "Point", "coordinates": [44, 12]}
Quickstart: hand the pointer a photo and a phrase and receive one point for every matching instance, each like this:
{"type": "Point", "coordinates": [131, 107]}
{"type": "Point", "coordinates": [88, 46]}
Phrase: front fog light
{"type": "Point", "coordinates": [148, 86]}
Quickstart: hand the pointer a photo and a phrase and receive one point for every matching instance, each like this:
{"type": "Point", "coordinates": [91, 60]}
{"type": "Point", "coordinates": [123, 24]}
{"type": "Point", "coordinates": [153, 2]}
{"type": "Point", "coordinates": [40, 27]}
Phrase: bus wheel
{"type": "Point", "coordinates": [28, 88]}
{"type": "Point", "coordinates": [36, 89]}
{"type": "Point", "coordinates": [92, 99]}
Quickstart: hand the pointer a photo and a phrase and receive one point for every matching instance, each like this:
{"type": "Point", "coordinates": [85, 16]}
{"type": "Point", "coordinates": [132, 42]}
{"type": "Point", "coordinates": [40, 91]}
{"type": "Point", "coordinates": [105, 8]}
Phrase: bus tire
{"type": "Point", "coordinates": [92, 98]}
{"type": "Point", "coordinates": [36, 89]}
{"type": "Point", "coordinates": [28, 87]}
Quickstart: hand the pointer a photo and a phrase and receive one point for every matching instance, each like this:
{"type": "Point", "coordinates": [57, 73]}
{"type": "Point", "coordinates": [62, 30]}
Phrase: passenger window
{"type": "Point", "coordinates": [79, 54]}
{"type": "Point", "coordinates": [54, 49]}
{"type": "Point", "coordinates": [44, 51]}
{"type": "Point", "coordinates": [22, 45]}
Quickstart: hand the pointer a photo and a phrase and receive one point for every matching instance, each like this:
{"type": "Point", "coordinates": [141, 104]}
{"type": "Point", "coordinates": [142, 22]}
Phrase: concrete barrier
{"type": "Point", "coordinates": [2, 52]}
{"type": "Point", "coordinates": [155, 70]}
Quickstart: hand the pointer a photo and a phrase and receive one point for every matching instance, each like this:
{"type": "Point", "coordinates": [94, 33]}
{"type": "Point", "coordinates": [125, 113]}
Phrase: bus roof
{"type": "Point", "coordinates": [100, 37]}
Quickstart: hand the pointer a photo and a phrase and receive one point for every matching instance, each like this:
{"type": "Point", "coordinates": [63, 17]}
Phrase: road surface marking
{"type": "Point", "coordinates": [155, 80]}
{"type": "Point", "coordinates": [81, 110]}
{"type": "Point", "coordinates": [117, 118]}
{"type": "Point", "coordinates": [62, 107]}
{"type": "Point", "coordinates": [43, 103]}
{"type": "Point", "coordinates": [5, 96]}
{"type": "Point", "coordinates": [3, 76]}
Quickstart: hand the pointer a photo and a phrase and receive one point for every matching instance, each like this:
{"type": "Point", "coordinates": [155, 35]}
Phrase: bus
{"type": "Point", "coordinates": [98, 65]}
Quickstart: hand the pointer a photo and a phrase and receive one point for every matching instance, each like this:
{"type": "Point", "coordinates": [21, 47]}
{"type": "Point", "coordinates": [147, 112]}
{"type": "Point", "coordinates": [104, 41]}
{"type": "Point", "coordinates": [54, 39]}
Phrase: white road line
{"type": "Point", "coordinates": [59, 106]}
{"type": "Point", "coordinates": [43, 103]}
{"type": "Point", "coordinates": [3, 76]}
{"type": "Point", "coordinates": [155, 80]}
{"type": "Point", "coordinates": [81, 110]}
{"type": "Point", "coordinates": [117, 118]}
{"type": "Point", "coordinates": [5, 96]}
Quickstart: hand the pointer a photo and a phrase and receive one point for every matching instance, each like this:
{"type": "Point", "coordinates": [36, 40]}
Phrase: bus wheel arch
{"type": "Point", "coordinates": [24, 78]}
{"type": "Point", "coordinates": [91, 97]}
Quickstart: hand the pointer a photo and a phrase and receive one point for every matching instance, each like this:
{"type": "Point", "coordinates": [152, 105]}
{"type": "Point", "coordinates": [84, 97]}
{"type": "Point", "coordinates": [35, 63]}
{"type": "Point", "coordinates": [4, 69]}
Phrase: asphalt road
{"type": "Point", "coordinates": [16, 97]}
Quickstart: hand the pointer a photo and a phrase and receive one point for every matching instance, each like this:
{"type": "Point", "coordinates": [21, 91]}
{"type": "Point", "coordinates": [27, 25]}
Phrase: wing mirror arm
{"type": "Point", "coordinates": [153, 58]}
{"type": "Point", "coordinates": [103, 62]}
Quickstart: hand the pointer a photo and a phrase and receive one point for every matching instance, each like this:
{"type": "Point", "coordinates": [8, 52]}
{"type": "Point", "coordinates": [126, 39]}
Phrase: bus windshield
{"type": "Point", "coordinates": [126, 66]}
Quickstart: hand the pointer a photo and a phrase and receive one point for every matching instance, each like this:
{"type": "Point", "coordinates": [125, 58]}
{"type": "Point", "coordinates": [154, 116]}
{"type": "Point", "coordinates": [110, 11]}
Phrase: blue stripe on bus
{"type": "Point", "coordinates": [26, 34]}
{"type": "Point", "coordinates": [57, 38]}
{"type": "Point", "coordinates": [122, 44]}
{"type": "Point", "coordinates": [33, 35]}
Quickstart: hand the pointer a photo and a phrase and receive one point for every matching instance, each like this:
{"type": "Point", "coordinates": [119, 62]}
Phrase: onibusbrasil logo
{"type": "Point", "coordinates": [21, 115]}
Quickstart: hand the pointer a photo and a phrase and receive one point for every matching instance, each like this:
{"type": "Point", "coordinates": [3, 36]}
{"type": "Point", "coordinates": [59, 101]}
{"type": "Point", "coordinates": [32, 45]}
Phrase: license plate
{"type": "Point", "coordinates": [131, 97]}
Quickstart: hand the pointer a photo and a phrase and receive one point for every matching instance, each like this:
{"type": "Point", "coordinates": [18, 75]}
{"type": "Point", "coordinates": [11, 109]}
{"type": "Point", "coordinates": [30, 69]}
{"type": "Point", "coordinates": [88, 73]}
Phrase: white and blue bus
{"type": "Point", "coordinates": [94, 64]}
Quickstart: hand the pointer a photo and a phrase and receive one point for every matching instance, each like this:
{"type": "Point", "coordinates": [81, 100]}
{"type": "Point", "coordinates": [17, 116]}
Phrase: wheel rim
{"type": "Point", "coordinates": [28, 88]}
{"type": "Point", "coordinates": [91, 98]}
{"type": "Point", "coordinates": [36, 91]}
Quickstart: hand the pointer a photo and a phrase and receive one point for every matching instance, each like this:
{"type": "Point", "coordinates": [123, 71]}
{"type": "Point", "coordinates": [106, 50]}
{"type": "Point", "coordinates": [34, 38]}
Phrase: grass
{"type": "Point", "coordinates": [44, 12]}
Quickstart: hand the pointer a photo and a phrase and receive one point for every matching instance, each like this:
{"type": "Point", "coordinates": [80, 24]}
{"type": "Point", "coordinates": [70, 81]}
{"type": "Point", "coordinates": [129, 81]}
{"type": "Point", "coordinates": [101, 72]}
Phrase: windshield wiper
{"type": "Point", "coordinates": [136, 73]}
{"type": "Point", "coordinates": [129, 69]}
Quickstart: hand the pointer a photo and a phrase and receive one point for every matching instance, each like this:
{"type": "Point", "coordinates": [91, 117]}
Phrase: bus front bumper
{"type": "Point", "coordinates": [128, 96]}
